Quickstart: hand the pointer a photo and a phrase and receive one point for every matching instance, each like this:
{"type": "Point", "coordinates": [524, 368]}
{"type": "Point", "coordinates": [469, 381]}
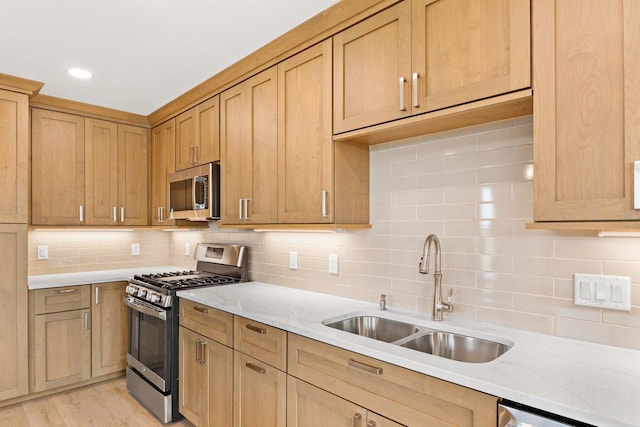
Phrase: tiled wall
{"type": "Point", "coordinates": [472, 188]}
{"type": "Point", "coordinates": [71, 251]}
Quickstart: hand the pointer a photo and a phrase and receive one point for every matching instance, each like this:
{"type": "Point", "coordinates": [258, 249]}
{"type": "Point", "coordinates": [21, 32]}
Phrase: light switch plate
{"type": "Point", "coordinates": [293, 260]}
{"type": "Point", "coordinates": [187, 249]}
{"type": "Point", "coordinates": [135, 249]}
{"type": "Point", "coordinates": [333, 263]}
{"type": "Point", "coordinates": [43, 252]}
{"type": "Point", "coordinates": [597, 290]}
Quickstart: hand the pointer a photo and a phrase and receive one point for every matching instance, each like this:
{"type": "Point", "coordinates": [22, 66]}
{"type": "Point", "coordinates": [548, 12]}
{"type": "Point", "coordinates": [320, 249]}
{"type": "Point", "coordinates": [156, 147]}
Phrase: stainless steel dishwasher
{"type": "Point", "coordinates": [515, 415]}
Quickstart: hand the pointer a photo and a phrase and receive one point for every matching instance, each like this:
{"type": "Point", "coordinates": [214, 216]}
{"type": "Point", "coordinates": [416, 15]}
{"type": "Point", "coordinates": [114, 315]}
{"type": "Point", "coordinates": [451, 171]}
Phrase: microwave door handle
{"type": "Point", "coordinates": [193, 188]}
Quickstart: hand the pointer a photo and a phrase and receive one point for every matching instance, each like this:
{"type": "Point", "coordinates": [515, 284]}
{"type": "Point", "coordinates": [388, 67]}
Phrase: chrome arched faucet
{"type": "Point", "coordinates": [438, 305]}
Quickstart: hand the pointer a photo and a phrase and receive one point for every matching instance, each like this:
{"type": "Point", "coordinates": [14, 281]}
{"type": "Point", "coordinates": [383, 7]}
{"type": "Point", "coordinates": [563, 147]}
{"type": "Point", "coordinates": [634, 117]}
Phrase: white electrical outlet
{"type": "Point", "coordinates": [135, 249]}
{"type": "Point", "coordinates": [596, 290]}
{"type": "Point", "coordinates": [333, 263]}
{"type": "Point", "coordinates": [43, 252]}
{"type": "Point", "coordinates": [187, 249]}
{"type": "Point", "coordinates": [293, 260]}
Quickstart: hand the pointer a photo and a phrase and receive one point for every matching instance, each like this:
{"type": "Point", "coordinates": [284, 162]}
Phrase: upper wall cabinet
{"type": "Point", "coordinates": [319, 181]}
{"type": "Point", "coordinates": [424, 55]}
{"type": "Point", "coordinates": [87, 171]}
{"type": "Point", "coordinates": [249, 147]}
{"type": "Point", "coordinates": [586, 71]}
{"type": "Point", "coordinates": [163, 162]}
{"type": "Point", "coordinates": [14, 157]}
{"type": "Point", "coordinates": [198, 135]}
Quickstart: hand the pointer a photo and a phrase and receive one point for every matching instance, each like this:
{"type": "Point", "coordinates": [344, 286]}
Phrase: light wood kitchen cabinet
{"type": "Point", "coordinates": [13, 316]}
{"type": "Point", "coordinates": [109, 324]}
{"type": "Point", "coordinates": [57, 168]}
{"type": "Point", "coordinates": [87, 171]}
{"type": "Point", "coordinates": [309, 406]}
{"type": "Point", "coordinates": [424, 55]}
{"type": "Point", "coordinates": [163, 163]}
{"type": "Point", "coordinates": [260, 393]}
{"type": "Point", "coordinates": [60, 341]}
{"type": "Point", "coordinates": [249, 146]}
{"type": "Point", "coordinates": [206, 380]}
{"type": "Point", "coordinates": [401, 395]}
{"type": "Point", "coordinates": [586, 68]}
{"type": "Point", "coordinates": [14, 157]}
{"type": "Point", "coordinates": [198, 134]}
{"type": "Point", "coordinates": [318, 181]}
{"type": "Point", "coordinates": [206, 365]}
{"type": "Point", "coordinates": [261, 341]}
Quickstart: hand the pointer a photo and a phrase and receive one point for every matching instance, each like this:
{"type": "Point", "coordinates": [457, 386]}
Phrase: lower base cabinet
{"type": "Point", "coordinates": [260, 393]}
{"type": "Point", "coordinates": [206, 380]}
{"type": "Point", "coordinates": [309, 406]}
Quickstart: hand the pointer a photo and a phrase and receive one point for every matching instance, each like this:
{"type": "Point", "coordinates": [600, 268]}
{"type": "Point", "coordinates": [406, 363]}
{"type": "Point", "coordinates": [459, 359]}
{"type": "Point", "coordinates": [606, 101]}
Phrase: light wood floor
{"type": "Point", "coordinates": [104, 404]}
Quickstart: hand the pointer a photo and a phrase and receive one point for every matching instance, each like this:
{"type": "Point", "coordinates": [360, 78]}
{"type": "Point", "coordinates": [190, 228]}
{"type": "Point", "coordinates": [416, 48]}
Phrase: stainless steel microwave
{"type": "Point", "coordinates": [194, 193]}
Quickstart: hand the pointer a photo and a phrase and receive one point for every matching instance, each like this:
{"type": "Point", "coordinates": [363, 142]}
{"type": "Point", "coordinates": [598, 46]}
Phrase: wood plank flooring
{"type": "Point", "coordinates": [104, 404]}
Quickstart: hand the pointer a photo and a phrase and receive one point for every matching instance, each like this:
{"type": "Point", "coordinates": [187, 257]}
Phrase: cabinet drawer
{"type": "Point", "coordinates": [54, 300]}
{"type": "Point", "coordinates": [402, 395]}
{"type": "Point", "coordinates": [207, 321]}
{"type": "Point", "coordinates": [261, 341]}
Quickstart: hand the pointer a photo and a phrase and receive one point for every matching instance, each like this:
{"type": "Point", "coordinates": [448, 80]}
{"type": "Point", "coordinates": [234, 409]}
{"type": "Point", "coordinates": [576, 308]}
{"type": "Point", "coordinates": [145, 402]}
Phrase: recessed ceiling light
{"type": "Point", "coordinates": [80, 73]}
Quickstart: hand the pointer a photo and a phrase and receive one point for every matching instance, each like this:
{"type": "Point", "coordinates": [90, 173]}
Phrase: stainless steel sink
{"type": "Point", "coordinates": [378, 328]}
{"type": "Point", "coordinates": [439, 343]}
{"type": "Point", "coordinates": [456, 347]}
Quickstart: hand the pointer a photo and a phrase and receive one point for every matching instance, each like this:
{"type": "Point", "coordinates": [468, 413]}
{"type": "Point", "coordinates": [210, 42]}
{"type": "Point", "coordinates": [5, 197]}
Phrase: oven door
{"type": "Point", "coordinates": [149, 349]}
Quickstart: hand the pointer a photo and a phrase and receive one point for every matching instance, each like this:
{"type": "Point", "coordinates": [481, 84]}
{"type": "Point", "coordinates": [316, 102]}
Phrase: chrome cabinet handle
{"type": "Point", "coordinates": [64, 291]}
{"type": "Point", "coordinates": [371, 423]}
{"type": "Point", "coordinates": [196, 151]}
{"type": "Point", "coordinates": [198, 357]}
{"type": "Point", "coordinates": [363, 366]}
{"type": "Point", "coordinates": [240, 208]}
{"type": "Point", "coordinates": [255, 368]}
{"type": "Point", "coordinates": [257, 329]}
{"type": "Point", "coordinates": [324, 204]}
{"type": "Point", "coordinates": [356, 419]}
{"type": "Point", "coordinates": [160, 214]}
{"type": "Point", "coordinates": [86, 321]}
{"type": "Point", "coordinates": [415, 89]}
{"type": "Point", "coordinates": [636, 184]}
{"type": "Point", "coordinates": [122, 214]}
{"type": "Point", "coordinates": [203, 353]}
{"type": "Point", "coordinates": [81, 213]}
{"type": "Point", "coordinates": [115, 214]}
{"type": "Point", "coordinates": [402, 82]}
{"type": "Point", "coordinates": [246, 208]}
{"type": "Point", "coordinates": [191, 154]}
{"type": "Point", "coordinates": [199, 309]}
{"type": "Point", "coordinates": [97, 295]}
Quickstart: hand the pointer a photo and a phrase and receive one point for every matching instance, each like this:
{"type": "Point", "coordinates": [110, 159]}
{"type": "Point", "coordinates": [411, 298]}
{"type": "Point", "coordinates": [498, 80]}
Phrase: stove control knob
{"type": "Point", "coordinates": [155, 298]}
{"type": "Point", "coordinates": [142, 292]}
{"type": "Point", "coordinates": [161, 299]}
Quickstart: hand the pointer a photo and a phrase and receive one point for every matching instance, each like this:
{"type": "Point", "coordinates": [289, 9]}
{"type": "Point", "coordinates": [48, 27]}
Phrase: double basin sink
{"type": "Point", "coordinates": [450, 345]}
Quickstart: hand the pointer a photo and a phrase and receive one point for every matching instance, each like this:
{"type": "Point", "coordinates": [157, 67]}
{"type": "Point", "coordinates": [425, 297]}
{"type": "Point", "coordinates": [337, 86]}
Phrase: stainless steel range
{"type": "Point", "coordinates": [152, 356]}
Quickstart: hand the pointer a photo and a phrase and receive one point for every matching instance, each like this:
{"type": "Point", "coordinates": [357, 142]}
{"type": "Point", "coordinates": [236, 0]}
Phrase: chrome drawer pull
{"type": "Point", "coordinates": [256, 329]}
{"type": "Point", "coordinates": [402, 106]}
{"type": "Point", "coordinates": [202, 310]}
{"type": "Point", "coordinates": [371, 424]}
{"type": "Point", "coordinates": [64, 291]}
{"type": "Point", "coordinates": [356, 419]}
{"type": "Point", "coordinates": [415, 90]}
{"type": "Point", "coordinates": [367, 368]}
{"type": "Point", "coordinates": [255, 368]}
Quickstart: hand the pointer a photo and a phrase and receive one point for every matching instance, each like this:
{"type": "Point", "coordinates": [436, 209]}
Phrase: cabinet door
{"type": "Point", "coordinates": [14, 157]}
{"type": "Point", "coordinates": [185, 139]}
{"type": "Point", "coordinates": [206, 380]}
{"type": "Point", "coordinates": [468, 50]}
{"type": "Point", "coordinates": [370, 58]}
{"type": "Point", "coordinates": [133, 160]}
{"type": "Point", "coordinates": [208, 131]}
{"type": "Point", "coordinates": [62, 349]}
{"type": "Point", "coordinates": [248, 129]}
{"type": "Point", "coordinates": [309, 406]}
{"type": "Point", "coordinates": [57, 168]}
{"type": "Point", "coordinates": [13, 316]}
{"type": "Point", "coordinates": [375, 420]}
{"type": "Point", "coordinates": [109, 328]}
{"type": "Point", "coordinates": [260, 393]}
{"type": "Point", "coordinates": [101, 172]}
{"type": "Point", "coordinates": [305, 146]}
{"type": "Point", "coordinates": [163, 162]}
{"type": "Point", "coordinates": [586, 112]}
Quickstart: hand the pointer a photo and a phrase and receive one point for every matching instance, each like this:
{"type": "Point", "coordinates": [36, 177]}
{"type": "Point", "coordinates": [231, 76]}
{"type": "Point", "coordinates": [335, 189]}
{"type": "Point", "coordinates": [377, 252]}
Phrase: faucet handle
{"type": "Point", "coordinates": [449, 294]}
{"type": "Point", "coordinates": [383, 302]}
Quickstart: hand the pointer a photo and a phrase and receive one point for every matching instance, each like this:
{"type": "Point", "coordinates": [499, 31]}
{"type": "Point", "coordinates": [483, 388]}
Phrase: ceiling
{"type": "Point", "coordinates": [142, 53]}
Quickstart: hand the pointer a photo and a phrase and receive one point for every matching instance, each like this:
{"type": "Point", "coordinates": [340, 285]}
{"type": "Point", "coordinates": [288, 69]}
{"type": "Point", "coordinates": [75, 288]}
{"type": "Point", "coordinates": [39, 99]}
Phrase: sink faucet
{"type": "Point", "coordinates": [438, 305]}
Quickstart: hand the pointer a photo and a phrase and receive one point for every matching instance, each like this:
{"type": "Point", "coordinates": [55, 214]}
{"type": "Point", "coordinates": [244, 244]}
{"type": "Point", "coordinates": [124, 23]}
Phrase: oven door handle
{"type": "Point", "coordinates": [158, 313]}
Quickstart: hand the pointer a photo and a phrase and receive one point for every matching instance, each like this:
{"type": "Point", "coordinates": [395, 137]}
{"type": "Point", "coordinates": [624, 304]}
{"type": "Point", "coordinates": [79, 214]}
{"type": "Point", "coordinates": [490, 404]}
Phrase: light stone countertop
{"type": "Point", "coordinates": [592, 383]}
{"type": "Point", "coordinates": [89, 277]}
